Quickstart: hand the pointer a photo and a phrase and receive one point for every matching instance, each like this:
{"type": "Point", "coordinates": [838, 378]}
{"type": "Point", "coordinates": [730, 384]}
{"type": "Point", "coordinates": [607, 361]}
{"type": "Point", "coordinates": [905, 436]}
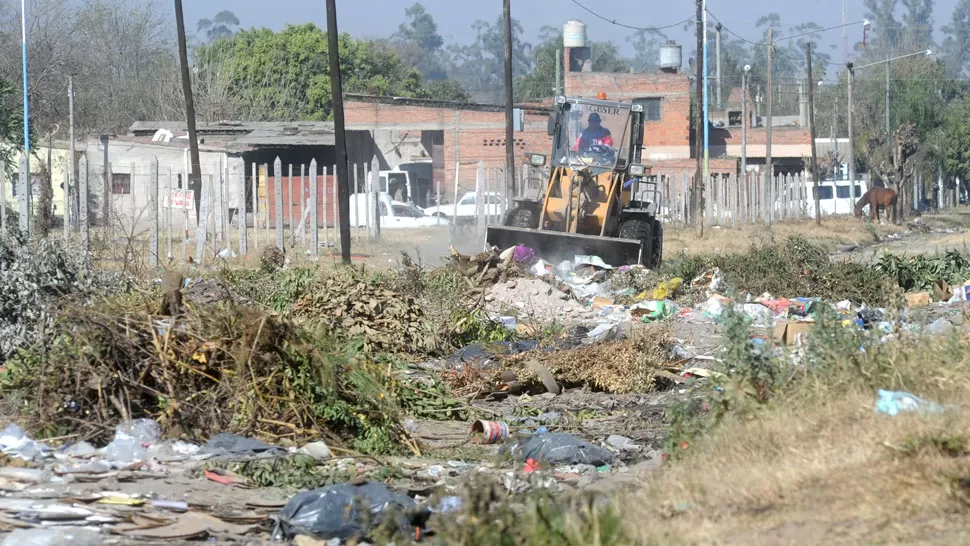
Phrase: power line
{"type": "Point", "coordinates": [613, 21]}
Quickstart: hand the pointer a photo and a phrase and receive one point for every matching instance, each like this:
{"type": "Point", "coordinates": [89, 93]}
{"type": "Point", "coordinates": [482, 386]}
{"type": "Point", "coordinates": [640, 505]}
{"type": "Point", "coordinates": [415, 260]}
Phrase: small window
{"type": "Point", "coordinates": [734, 118]}
{"type": "Point", "coordinates": [404, 211]}
{"type": "Point", "coordinates": [858, 191]}
{"type": "Point", "coordinates": [824, 192]}
{"type": "Point", "coordinates": [470, 200]}
{"type": "Point", "coordinates": [121, 183]}
{"type": "Point", "coordinates": [842, 191]}
{"type": "Point", "coordinates": [651, 108]}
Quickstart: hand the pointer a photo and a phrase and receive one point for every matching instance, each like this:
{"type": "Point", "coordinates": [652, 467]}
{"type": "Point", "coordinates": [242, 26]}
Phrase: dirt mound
{"type": "Point", "coordinates": [536, 299]}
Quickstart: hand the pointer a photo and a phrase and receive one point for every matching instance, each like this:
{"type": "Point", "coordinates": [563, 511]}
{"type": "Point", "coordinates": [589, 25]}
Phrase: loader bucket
{"type": "Point", "coordinates": [554, 246]}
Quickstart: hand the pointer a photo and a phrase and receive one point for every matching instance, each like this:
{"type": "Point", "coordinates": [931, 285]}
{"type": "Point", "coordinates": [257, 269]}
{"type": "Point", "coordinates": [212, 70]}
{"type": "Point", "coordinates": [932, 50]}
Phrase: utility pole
{"type": "Point", "coordinates": [72, 178]}
{"type": "Point", "coordinates": [717, 63]}
{"type": "Point", "coordinates": [699, 127]}
{"type": "Point", "coordinates": [26, 187]}
{"type": "Point", "coordinates": [811, 130]}
{"type": "Point", "coordinates": [850, 76]}
{"type": "Point", "coordinates": [744, 123]}
{"type": "Point", "coordinates": [509, 127]}
{"type": "Point", "coordinates": [770, 178]}
{"type": "Point", "coordinates": [195, 177]}
{"type": "Point", "coordinates": [706, 118]}
{"type": "Point", "coordinates": [340, 140]}
{"type": "Point", "coordinates": [889, 134]}
{"type": "Point", "coordinates": [559, 70]}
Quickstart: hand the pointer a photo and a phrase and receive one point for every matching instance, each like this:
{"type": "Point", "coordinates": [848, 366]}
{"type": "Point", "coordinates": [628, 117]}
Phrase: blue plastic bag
{"type": "Point", "coordinates": [895, 402]}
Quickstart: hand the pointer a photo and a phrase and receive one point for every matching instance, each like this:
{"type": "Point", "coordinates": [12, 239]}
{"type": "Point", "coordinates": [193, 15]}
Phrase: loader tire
{"type": "Point", "coordinates": [635, 228]}
{"type": "Point", "coordinates": [523, 218]}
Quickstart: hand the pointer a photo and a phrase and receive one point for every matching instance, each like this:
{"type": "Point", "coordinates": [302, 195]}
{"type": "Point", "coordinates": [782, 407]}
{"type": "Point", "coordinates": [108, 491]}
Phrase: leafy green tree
{"type": "Point", "coordinates": [647, 45]}
{"type": "Point", "coordinates": [956, 45]}
{"type": "Point", "coordinates": [417, 42]}
{"type": "Point", "coordinates": [261, 74]}
{"type": "Point", "coordinates": [480, 66]}
{"type": "Point", "coordinates": [223, 25]}
{"type": "Point", "coordinates": [540, 83]}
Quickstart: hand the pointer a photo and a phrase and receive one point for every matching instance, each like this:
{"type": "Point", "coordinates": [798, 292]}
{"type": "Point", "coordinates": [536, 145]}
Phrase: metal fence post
{"type": "Point", "coordinates": [479, 182]}
{"type": "Point", "coordinates": [375, 184]}
{"type": "Point", "coordinates": [202, 226]}
{"type": "Point", "coordinates": [241, 213]}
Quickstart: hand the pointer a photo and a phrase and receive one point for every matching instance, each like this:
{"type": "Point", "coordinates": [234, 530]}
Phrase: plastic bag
{"type": "Point", "coordinates": [558, 448]}
{"type": "Point", "coordinates": [53, 537]}
{"type": "Point", "coordinates": [14, 441]}
{"type": "Point", "coordinates": [145, 431]}
{"type": "Point", "coordinates": [895, 402]}
{"type": "Point", "coordinates": [335, 511]}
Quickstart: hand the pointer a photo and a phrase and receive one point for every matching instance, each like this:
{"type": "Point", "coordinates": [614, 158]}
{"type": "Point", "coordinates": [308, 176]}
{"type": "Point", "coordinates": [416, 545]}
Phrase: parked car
{"type": "Point", "coordinates": [394, 214]}
{"type": "Point", "coordinates": [467, 208]}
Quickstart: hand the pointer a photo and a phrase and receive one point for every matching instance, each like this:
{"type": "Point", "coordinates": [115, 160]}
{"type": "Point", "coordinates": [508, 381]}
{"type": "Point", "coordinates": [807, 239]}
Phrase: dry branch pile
{"type": "Point", "coordinates": [209, 370]}
{"type": "Point", "coordinates": [354, 307]}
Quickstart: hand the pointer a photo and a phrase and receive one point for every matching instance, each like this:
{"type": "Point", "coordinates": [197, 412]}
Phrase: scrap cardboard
{"type": "Point", "coordinates": [918, 299]}
{"type": "Point", "coordinates": [788, 331]}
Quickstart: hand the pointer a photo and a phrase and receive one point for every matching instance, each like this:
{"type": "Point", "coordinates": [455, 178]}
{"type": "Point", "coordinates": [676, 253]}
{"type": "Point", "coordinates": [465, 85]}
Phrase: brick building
{"type": "Point", "coordinates": [441, 134]}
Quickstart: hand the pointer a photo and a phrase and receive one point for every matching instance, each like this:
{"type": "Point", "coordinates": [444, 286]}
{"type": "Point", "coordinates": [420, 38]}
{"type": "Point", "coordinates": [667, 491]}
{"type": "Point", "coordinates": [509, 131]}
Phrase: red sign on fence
{"type": "Point", "coordinates": [182, 199]}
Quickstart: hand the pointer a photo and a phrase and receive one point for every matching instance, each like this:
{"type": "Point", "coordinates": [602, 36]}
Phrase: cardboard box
{"type": "Point", "coordinates": [788, 332]}
{"type": "Point", "coordinates": [918, 299]}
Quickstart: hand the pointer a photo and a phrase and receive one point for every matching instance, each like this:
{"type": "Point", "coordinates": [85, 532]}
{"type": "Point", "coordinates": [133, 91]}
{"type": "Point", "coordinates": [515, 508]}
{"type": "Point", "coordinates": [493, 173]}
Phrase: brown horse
{"type": "Point", "coordinates": [875, 198]}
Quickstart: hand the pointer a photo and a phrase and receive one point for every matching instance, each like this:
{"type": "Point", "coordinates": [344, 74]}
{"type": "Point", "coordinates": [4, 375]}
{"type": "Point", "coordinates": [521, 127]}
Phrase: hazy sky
{"type": "Point", "coordinates": [374, 18]}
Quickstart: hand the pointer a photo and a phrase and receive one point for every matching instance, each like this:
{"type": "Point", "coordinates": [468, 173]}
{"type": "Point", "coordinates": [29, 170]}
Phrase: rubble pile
{"type": "Point", "coordinates": [536, 299]}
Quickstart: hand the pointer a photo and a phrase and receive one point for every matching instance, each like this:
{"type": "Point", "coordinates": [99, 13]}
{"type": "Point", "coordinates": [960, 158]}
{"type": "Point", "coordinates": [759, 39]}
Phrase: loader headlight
{"type": "Point", "coordinates": [637, 170]}
{"type": "Point", "coordinates": [537, 160]}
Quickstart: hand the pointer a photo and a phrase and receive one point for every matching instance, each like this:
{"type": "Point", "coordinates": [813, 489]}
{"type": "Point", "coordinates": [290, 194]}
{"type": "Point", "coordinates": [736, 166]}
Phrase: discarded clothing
{"type": "Point", "coordinates": [226, 444]}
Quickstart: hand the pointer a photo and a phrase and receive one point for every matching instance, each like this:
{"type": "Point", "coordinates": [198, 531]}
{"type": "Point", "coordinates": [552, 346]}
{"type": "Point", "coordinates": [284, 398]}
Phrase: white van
{"type": "Point", "coordinates": [835, 196]}
{"type": "Point", "coordinates": [394, 214]}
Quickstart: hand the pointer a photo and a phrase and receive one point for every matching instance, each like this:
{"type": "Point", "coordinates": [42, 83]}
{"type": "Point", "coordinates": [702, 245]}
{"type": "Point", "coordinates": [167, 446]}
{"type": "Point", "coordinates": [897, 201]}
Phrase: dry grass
{"type": "Point", "coordinates": [838, 230]}
{"type": "Point", "coordinates": [821, 467]}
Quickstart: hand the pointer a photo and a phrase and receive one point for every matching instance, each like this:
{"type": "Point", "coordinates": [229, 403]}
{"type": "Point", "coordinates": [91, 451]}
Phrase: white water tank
{"type": "Point", "coordinates": [574, 34]}
{"type": "Point", "coordinates": [671, 57]}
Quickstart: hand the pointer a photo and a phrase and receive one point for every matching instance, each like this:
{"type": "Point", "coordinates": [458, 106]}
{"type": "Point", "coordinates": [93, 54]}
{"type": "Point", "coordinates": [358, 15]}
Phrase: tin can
{"type": "Point", "coordinates": [489, 432]}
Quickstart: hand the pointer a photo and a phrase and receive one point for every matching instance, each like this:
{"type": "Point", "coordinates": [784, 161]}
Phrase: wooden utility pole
{"type": "Point", "coordinates": [850, 77]}
{"type": "Point", "coordinates": [811, 131]}
{"type": "Point", "coordinates": [769, 169]}
{"type": "Point", "coordinates": [195, 177]}
{"type": "Point", "coordinates": [509, 126]}
{"type": "Point", "coordinates": [340, 140]}
{"type": "Point", "coordinates": [699, 125]}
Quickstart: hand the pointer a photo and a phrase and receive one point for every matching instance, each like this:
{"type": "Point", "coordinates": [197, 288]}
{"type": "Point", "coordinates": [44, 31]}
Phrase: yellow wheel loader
{"type": "Point", "coordinates": [598, 199]}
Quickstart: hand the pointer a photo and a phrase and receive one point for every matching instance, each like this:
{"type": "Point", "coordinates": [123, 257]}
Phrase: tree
{"type": "Point", "coordinates": [918, 22]}
{"type": "Point", "coordinates": [956, 45]}
{"type": "Point", "coordinates": [541, 81]}
{"type": "Point", "coordinates": [887, 29]}
{"type": "Point", "coordinates": [259, 74]}
{"type": "Point", "coordinates": [223, 25]}
{"type": "Point", "coordinates": [420, 29]}
{"type": "Point", "coordinates": [647, 44]}
{"type": "Point", "coordinates": [479, 67]}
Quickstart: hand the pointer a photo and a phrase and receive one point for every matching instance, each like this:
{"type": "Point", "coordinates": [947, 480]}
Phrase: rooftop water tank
{"type": "Point", "coordinates": [574, 34]}
{"type": "Point", "coordinates": [671, 57]}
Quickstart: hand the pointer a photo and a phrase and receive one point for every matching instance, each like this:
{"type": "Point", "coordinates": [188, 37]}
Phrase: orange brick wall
{"type": "Point", "coordinates": [469, 135]}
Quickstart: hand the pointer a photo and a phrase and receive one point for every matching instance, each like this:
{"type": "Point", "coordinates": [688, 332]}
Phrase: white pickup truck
{"type": "Point", "coordinates": [467, 208]}
{"type": "Point", "coordinates": [394, 214]}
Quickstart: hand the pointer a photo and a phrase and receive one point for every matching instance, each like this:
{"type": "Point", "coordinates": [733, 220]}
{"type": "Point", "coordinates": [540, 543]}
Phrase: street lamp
{"type": "Point", "coordinates": [851, 79]}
